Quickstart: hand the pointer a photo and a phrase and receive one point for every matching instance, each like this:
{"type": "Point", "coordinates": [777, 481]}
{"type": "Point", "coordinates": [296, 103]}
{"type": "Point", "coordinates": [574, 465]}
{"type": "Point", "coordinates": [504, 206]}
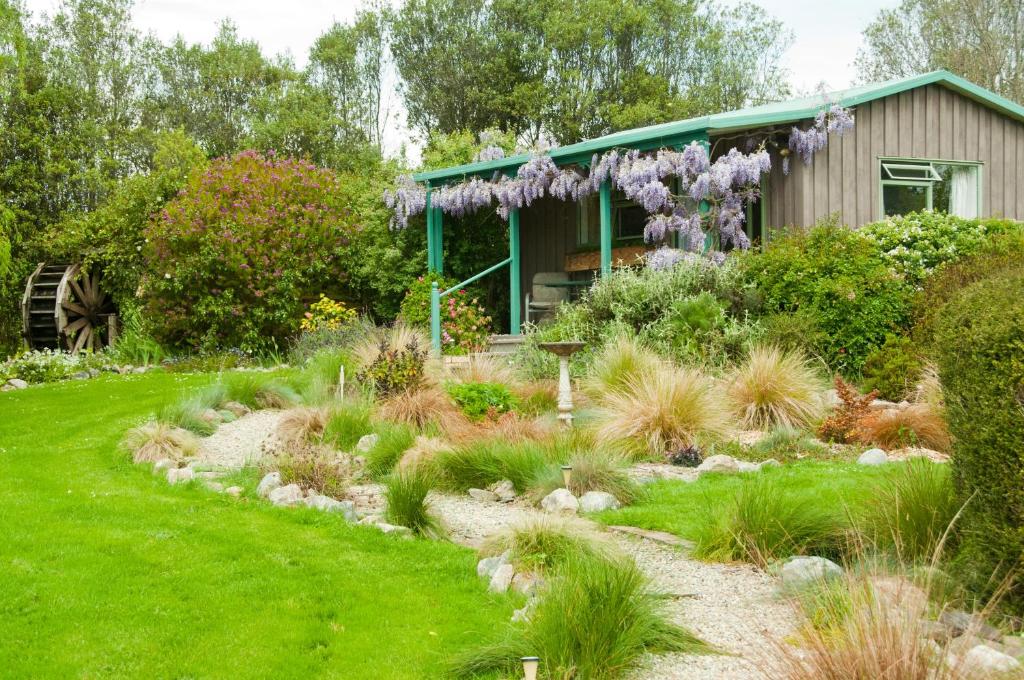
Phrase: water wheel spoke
{"type": "Point", "coordinates": [82, 338]}
{"type": "Point", "coordinates": [75, 325]}
{"type": "Point", "coordinates": [77, 290]}
{"type": "Point", "coordinates": [75, 307]}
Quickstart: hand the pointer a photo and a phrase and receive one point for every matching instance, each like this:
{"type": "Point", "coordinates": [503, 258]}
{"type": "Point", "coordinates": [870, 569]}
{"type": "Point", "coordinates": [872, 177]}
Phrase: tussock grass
{"type": "Point", "coordinates": [537, 397]}
{"type": "Point", "coordinates": [482, 463]}
{"type": "Point", "coordinates": [669, 409]}
{"type": "Point", "coordinates": [347, 423]}
{"type": "Point", "coordinates": [620, 363]}
{"type": "Point", "coordinates": [477, 369]}
{"type": "Point", "coordinates": [916, 425]}
{"type": "Point", "coordinates": [775, 387]}
{"type": "Point", "coordinates": [595, 470]}
{"type": "Point", "coordinates": [595, 619]}
{"type": "Point", "coordinates": [426, 407]}
{"type": "Point", "coordinates": [762, 522]}
{"type": "Point", "coordinates": [422, 453]}
{"type": "Point", "coordinates": [406, 493]}
{"type": "Point", "coordinates": [318, 383]}
{"type": "Point", "coordinates": [393, 440]}
{"type": "Point", "coordinates": [189, 414]}
{"type": "Point", "coordinates": [300, 428]}
{"type": "Point", "coordinates": [786, 444]}
{"type": "Point", "coordinates": [544, 543]}
{"type": "Point", "coordinates": [155, 441]}
{"type": "Point", "coordinates": [912, 513]}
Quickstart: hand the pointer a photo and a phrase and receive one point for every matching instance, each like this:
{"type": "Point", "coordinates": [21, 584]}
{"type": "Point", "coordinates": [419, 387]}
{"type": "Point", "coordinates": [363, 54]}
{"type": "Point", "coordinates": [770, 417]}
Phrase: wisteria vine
{"type": "Point", "coordinates": [710, 195]}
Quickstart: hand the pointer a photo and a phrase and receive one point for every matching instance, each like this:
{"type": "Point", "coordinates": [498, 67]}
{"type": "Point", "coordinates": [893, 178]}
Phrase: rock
{"type": "Point", "coordinates": [800, 571]}
{"type": "Point", "coordinates": [237, 408]}
{"type": "Point", "coordinates": [883, 405]}
{"type": "Point", "coordinates": [918, 452]}
{"type": "Point", "coordinates": [504, 490]}
{"type": "Point", "coordinates": [560, 501]}
{"type": "Point", "coordinates": [983, 660]}
{"type": "Point", "coordinates": [597, 501]}
{"type": "Point", "coordinates": [747, 466]}
{"type": "Point", "coordinates": [164, 464]}
{"type": "Point", "coordinates": [226, 416]}
{"type": "Point", "coordinates": [347, 509]}
{"type": "Point", "coordinates": [526, 583]}
{"type": "Point", "coordinates": [367, 442]}
{"type": "Point", "coordinates": [208, 474]}
{"type": "Point", "coordinates": [394, 529]}
{"type": "Point", "coordinates": [481, 495]}
{"type": "Point", "coordinates": [286, 495]}
{"type": "Point", "coordinates": [718, 463]}
{"type": "Point", "coordinates": [370, 520]}
{"type": "Point", "coordinates": [873, 457]}
{"type": "Point", "coordinates": [180, 475]}
{"type": "Point", "coordinates": [81, 375]}
{"type": "Point", "coordinates": [235, 491]}
{"type": "Point", "coordinates": [900, 595]}
{"type": "Point", "coordinates": [93, 372]}
{"type": "Point", "coordinates": [211, 417]}
{"type": "Point", "coordinates": [933, 630]}
{"type": "Point", "coordinates": [1014, 644]}
{"type": "Point", "coordinates": [501, 579]}
{"type": "Point", "coordinates": [17, 383]}
{"type": "Point", "coordinates": [486, 567]}
{"type": "Point", "coordinates": [215, 486]}
{"type": "Point", "coordinates": [270, 481]}
{"type": "Point", "coordinates": [139, 370]}
{"type": "Point", "coordinates": [522, 615]}
{"type": "Point", "coordinates": [771, 462]}
{"type": "Point", "coordinates": [7, 388]}
{"type": "Point", "coordinates": [960, 622]}
{"type": "Point", "coordinates": [831, 398]}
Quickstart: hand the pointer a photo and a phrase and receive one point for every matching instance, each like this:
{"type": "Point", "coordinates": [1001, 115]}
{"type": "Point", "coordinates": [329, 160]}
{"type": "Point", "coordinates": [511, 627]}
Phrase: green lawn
{"type": "Point", "coordinates": [680, 507]}
{"type": "Point", "coordinates": [105, 571]}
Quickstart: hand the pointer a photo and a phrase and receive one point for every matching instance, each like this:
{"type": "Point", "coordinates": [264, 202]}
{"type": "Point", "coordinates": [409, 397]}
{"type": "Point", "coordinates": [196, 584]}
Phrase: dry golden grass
{"type": "Point", "coordinates": [395, 337]}
{"type": "Point", "coordinates": [421, 408]}
{"type": "Point", "coordinates": [929, 388]}
{"type": "Point", "coordinates": [669, 408]}
{"type": "Point", "coordinates": [917, 425]}
{"type": "Point", "coordinates": [300, 428]}
{"type": "Point", "coordinates": [622, 361]}
{"type": "Point", "coordinates": [155, 441]}
{"type": "Point", "coordinates": [477, 369]}
{"type": "Point", "coordinates": [509, 426]}
{"type": "Point", "coordinates": [775, 387]}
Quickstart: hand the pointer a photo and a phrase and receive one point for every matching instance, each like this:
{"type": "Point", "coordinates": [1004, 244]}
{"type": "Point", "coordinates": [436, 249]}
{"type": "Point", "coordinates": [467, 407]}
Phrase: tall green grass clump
{"type": "Point", "coordinates": [347, 424]}
{"type": "Point", "coordinates": [595, 619]}
{"type": "Point", "coordinates": [393, 440]}
{"type": "Point", "coordinates": [546, 543]}
{"type": "Point", "coordinates": [406, 494]}
{"type": "Point", "coordinates": [912, 513]}
{"type": "Point", "coordinates": [189, 415]}
{"type": "Point", "coordinates": [482, 463]}
{"type": "Point", "coordinates": [595, 470]}
{"type": "Point", "coordinates": [762, 522]}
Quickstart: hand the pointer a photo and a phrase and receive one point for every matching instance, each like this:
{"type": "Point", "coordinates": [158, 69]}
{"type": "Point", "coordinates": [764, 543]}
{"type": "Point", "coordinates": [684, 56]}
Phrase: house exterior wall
{"type": "Point", "coordinates": [930, 122]}
{"type": "Point", "coordinates": [547, 233]}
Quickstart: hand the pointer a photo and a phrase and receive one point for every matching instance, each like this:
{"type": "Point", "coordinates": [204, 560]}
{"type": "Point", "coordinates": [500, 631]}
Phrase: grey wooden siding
{"type": "Point", "coordinates": [930, 122]}
{"type": "Point", "coordinates": [547, 233]}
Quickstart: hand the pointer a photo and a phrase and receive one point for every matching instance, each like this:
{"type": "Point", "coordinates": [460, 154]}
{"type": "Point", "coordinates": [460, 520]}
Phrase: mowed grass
{"type": "Point", "coordinates": [682, 508]}
{"type": "Point", "coordinates": [106, 571]}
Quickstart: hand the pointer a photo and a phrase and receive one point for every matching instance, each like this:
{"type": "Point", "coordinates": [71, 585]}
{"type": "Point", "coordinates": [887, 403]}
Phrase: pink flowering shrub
{"type": "Point", "coordinates": [233, 260]}
{"type": "Point", "coordinates": [465, 326]}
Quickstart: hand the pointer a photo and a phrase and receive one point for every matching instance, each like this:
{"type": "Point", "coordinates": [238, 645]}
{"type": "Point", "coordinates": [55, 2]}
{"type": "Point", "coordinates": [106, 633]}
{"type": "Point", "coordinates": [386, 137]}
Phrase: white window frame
{"type": "Point", "coordinates": [887, 163]}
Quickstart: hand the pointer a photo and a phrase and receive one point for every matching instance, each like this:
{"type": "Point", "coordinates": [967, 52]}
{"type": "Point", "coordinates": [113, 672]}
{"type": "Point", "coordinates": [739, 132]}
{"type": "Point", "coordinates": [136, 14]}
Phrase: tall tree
{"type": "Point", "coordinates": [981, 40]}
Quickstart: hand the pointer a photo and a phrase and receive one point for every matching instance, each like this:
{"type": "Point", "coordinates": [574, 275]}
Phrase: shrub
{"type": "Point", "coordinates": [591, 471]}
{"type": "Point", "coordinates": [836, 277]}
{"type": "Point", "coordinates": [155, 441]}
{"type": "Point", "coordinates": [395, 369]}
{"type": "Point", "coordinates": [312, 468]}
{"type": "Point", "coordinates": [595, 620]}
{"type": "Point", "coordinates": [669, 409]}
{"type": "Point", "coordinates": [894, 368]}
{"type": "Point", "coordinates": [917, 425]}
{"type": "Point", "coordinates": [415, 308]}
{"type": "Point", "coordinates": [910, 512]}
{"type": "Point", "coordinates": [545, 543]}
{"type": "Point", "coordinates": [980, 344]}
{"type": "Point", "coordinates": [793, 331]}
{"type": "Point", "coordinates": [393, 440]}
{"type": "Point", "coordinates": [773, 387]}
{"type": "Point", "coordinates": [842, 425]}
{"type": "Point", "coordinates": [326, 314]}
{"type": "Point", "coordinates": [465, 326]}
{"type": "Point", "coordinates": [405, 491]}
{"type": "Point", "coordinates": [916, 244]}
{"type": "Point", "coordinates": [46, 365]}
{"type": "Point", "coordinates": [479, 400]}
{"type": "Point", "coordinates": [762, 522]}
{"type": "Point", "coordinates": [231, 259]}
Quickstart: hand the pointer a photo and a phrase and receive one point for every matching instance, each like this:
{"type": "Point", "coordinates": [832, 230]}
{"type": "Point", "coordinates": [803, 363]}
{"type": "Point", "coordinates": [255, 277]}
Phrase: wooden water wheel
{"type": "Point", "coordinates": [64, 307]}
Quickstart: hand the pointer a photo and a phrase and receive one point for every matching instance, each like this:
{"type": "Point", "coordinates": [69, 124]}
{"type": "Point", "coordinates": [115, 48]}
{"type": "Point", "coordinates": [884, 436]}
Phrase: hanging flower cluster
{"type": "Point", "coordinates": [711, 195]}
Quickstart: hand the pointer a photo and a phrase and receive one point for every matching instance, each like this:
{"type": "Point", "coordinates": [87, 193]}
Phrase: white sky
{"type": "Point", "coordinates": [827, 33]}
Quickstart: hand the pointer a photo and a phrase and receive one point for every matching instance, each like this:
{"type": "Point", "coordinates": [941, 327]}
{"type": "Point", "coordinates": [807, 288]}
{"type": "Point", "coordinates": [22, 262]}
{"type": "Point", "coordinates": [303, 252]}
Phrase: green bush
{"type": "Point", "coordinates": [980, 344]}
{"type": "Point", "coordinates": [233, 258]}
{"type": "Point", "coordinates": [893, 369]}
{"type": "Point", "coordinates": [480, 400]}
{"type": "Point", "coordinates": [594, 620]}
{"type": "Point", "coordinates": [915, 244]}
{"type": "Point", "coordinates": [836, 277]}
{"type": "Point", "coordinates": [415, 309]}
{"type": "Point", "coordinates": [465, 325]}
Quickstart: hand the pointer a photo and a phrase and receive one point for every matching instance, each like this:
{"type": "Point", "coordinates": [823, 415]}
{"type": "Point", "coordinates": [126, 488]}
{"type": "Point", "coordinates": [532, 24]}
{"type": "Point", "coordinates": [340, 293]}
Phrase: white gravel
{"type": "Point", "coordinates": [239, 442]}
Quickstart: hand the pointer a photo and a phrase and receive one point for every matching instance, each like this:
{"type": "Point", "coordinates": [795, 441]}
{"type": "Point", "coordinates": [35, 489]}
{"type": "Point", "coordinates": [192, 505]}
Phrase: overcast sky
{"type": "Point", "coordinates": [827, 33]}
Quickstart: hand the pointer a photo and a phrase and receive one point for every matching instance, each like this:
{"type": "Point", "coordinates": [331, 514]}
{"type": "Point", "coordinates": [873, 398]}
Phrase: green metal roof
{"type": "Point", "coordinates": [678, 133]}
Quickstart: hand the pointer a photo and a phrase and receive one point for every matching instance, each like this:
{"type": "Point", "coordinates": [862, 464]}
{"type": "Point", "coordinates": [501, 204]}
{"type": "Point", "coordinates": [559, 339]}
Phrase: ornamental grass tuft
{"type": "Point", "coordinates": [594, 470]}
{"type": "Point", "coordinates": [621, 362]}
{"type": "Point", "coordinates": [544, 543]}
{"type": "Point", "coordinates": [155, 441]}
{"type": "Point", "coordinates": [405, 491]}
{"type": "Point", "coordinates": [595, 619]}
{"type": "Point", "coordinates": [917, 425]}
{"type": "Point", "coordinates": [775, 387]}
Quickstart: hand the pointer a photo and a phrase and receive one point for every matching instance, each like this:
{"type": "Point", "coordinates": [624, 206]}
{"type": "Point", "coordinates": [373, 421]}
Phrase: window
{"type": "Point", "coordinates": [912, 185]}
{"type": "Point", "coordinates": [629, 220]}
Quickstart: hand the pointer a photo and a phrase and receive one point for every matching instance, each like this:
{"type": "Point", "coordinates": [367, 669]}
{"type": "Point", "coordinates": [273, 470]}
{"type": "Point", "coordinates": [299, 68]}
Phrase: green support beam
{"type": "Point", "coordinates": [431, 246]}
{"type": "Point", "coordinates": [515, 300]}
{"type": "Point", "coordinates": [438, 241]}
{"type": "Point", "coordinates": [606, 228]}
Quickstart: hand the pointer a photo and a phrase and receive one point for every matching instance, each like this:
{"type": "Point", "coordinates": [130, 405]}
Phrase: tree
{"type": "Point", "coordinates": [981, 40]}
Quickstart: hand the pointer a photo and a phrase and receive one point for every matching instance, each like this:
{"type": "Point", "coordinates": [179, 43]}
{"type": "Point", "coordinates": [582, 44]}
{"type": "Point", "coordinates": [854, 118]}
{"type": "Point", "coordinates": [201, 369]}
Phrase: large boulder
{"type": "Point", "coordinates": [597, 501]}
{"type": "Point", "coordinates": [873, 457]}
{"type": "Point", "coordinates": [800, 571]}
{"type": "Point", "coordinates": [719, 463]}
{"type": "Point", "coordinates": [286, 495]}
{"type": "Point", "coordinates": [17, 383]}
{"type": "Point", "coordinates": [560, 502]}
{"type": "Point", "coordinates": [270, 481]}
{"type": "Point", "coordinates": [483, 495]}
{"type": "Point", "coordinates": [501, 579]}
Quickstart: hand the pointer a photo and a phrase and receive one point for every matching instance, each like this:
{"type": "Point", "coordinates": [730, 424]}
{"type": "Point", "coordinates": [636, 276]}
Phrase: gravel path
{"type": "Point", "coordinates": [239, 442]}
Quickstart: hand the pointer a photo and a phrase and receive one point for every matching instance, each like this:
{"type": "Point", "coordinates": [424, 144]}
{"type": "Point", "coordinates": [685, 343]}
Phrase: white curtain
{"type": "Point", "coordinates": [963, 191]}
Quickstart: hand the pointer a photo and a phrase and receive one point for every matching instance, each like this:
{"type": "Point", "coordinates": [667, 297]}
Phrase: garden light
{"type": "Point", "coordinates": [530, 665]}
{"type": "Point", "coordinates": [566, 474]}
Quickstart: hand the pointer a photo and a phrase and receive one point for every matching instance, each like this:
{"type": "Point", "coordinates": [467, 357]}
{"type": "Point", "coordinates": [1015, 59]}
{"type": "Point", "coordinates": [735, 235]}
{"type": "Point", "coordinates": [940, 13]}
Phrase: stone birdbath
{"type": "Point", "coordinates": [563, 350]}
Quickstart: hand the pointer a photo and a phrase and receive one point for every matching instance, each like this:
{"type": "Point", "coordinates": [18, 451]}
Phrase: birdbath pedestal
{"type": "Point", "coordinates": [563, 350]}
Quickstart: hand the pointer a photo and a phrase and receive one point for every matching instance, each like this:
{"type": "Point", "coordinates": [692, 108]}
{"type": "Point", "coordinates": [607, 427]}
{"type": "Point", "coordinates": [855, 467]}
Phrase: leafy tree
{"type": "Point", "coordinates": [980, 40]}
